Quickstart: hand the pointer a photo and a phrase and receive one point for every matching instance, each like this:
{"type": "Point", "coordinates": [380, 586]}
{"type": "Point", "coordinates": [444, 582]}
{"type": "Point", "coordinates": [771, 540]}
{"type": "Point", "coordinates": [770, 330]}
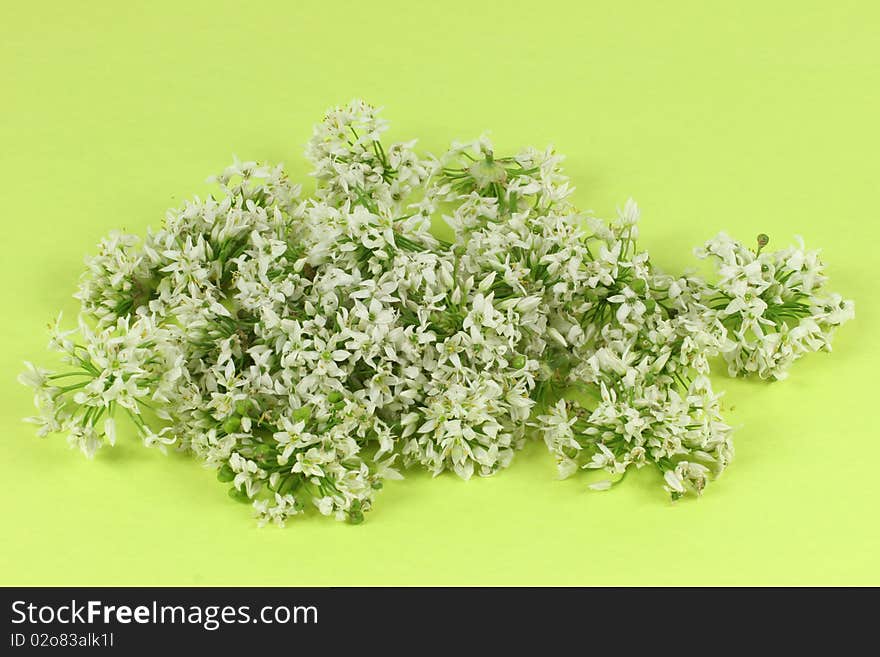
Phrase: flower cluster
{"type": "Point", "coordinates": [773, 305]}
{"type": "Point", "coordinates": [309, 347]}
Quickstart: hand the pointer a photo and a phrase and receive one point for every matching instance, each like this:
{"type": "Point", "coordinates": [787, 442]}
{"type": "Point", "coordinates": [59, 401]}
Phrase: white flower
{"type": "Point", "coordinates": [110, 430]}
{"type": "Point", "coordinates": [772, 305]}
{"type": "Point", "coordinates": [34, 377]}
{"type": "Point", "coordinates": [308, 348]}
{"type": "Point", "coordinates": [673, 482]}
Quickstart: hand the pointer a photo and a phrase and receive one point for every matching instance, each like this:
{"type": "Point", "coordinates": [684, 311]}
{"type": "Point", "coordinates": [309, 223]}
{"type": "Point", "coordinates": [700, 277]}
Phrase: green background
{"type": "Point", "coordinates": [743, 116]}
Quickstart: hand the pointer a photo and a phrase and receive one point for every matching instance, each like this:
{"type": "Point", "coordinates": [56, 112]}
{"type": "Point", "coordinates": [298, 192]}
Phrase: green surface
{"type": "Point", "coordinates": [746, 116]}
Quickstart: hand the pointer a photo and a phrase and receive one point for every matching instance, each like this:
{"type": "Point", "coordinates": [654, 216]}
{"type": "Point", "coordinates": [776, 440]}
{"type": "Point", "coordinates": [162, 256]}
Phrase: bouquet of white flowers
{"type": "Point", "coordinates": [307, 348]}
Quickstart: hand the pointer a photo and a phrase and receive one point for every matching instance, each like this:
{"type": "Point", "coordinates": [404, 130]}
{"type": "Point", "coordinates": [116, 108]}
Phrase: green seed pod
{"type": "Point", "coordinates": [639, 286]}
{"type": "Point", "coordinates": [232, 424]}
{"type": "Point", "coordinates": [355, 513]}
{"type": "Point", "coordinates": [518, 362]}
{"type": "Point", "coordinates": [302, 414]}
{"type": "Point", "coordinates": [650, 305]}
{"type": "Point", "coordinates": [239, 496]}
{"type": "Point", "coordinates": [334, 397]}
{"type": "Point", "coordinates": [241, 408]}
{"type": "Point", "coordinates": [225, 473]}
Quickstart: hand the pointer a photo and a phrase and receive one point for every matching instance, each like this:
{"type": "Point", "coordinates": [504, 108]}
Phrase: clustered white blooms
{"type": "Point", "coordinates": [772, 305]}
{"type": "Point", "coordinates": [307, 348]}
